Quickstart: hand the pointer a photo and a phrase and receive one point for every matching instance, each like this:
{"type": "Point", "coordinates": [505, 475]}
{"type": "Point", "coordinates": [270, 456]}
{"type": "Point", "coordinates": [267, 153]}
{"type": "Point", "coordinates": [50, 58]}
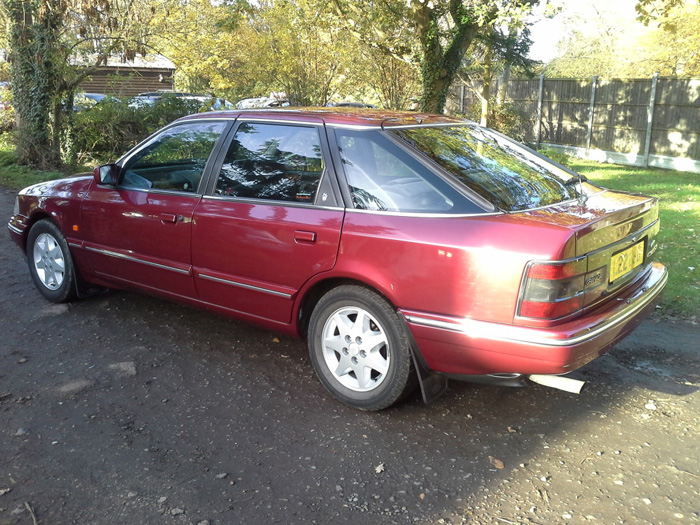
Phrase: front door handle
{"type": "Point", "coordinates": [301, 236]}
{"type": "Point", "coordinates": [167, 217]}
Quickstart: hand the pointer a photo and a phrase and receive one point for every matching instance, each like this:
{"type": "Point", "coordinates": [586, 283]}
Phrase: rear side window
{"type": "Point", "coordinates": [492, 167]}
{"type": "Point", "coordinates": [383, 176]}
{"type": "Point", "coordinates": [272, 161]}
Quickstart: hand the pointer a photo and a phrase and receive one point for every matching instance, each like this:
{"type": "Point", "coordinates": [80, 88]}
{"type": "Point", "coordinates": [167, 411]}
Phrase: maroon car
{"type": "Point", "coordinates": [406, 248]}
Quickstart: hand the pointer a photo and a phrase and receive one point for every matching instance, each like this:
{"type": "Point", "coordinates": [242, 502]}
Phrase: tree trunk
{"type": "Point", "coordinates": [503, 85]}
{"type": "Point", "coordinates": [439, 65]}
{"type": "Point", "coordinates": [486, 88]}
{"type": "Point", "coordinates": [32, 42]}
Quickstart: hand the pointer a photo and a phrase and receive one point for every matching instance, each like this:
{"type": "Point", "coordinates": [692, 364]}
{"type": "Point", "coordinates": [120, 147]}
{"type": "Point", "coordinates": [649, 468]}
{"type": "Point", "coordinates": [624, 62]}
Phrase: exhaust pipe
{"type": "Point", "coordinates": [559, 382]}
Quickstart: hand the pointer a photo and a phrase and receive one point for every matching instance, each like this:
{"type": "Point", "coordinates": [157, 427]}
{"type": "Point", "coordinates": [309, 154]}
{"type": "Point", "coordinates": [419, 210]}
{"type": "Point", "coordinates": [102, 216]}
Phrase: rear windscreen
{"type": "Point", "coordinates": [493, 167]}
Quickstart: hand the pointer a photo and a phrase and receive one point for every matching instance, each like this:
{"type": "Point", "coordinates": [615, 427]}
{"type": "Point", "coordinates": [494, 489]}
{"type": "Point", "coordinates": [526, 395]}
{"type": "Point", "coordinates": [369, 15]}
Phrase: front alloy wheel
{"type": "Point", "coordinates": [50, 262]}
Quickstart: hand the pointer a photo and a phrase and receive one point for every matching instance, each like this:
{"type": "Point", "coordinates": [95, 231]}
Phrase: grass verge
{"type": "Point", "coordinates": [16, 177]}
{"type": "Point", "coordinates": [679, 244]}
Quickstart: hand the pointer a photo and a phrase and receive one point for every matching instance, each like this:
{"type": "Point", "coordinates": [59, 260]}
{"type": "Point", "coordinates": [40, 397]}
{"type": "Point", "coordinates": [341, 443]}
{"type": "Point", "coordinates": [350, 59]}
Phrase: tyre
{"type": "Point", "coordinates": [50, 262]}
{"type": "Point", "coordinates": [359, 348]}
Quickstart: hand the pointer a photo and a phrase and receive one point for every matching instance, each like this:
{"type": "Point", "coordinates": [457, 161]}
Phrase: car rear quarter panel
{"type": "Point", "coordinates": [459, 266]}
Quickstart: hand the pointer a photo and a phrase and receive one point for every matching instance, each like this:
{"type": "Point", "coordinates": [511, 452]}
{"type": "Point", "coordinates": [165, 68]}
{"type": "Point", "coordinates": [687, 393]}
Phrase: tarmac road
{"type": "Point", "coordinates": [129, 409]}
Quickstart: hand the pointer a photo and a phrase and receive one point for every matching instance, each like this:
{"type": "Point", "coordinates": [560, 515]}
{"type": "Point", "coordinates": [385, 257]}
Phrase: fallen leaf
{"type": "Point", "coordinates": [496, 462]}
{"type": "Point", "coordinates": [379, 468]}
{"type": "Point", "coordinates": [4, 491]}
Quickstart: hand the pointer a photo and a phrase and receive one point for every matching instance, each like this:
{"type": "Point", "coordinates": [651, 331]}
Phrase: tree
{"type": "Point", "coordinates": [444, 30]}
{"type": "Point", "coordinates": [54, 45]}
{"type": "Point", "coordinates": [303, 49]}
{"type": "Point", "coordinates": [650, 10]}
{"type": "Point", "coordinates": [497, 50]}
{"type": "Point", "coordinates": [671, 47]}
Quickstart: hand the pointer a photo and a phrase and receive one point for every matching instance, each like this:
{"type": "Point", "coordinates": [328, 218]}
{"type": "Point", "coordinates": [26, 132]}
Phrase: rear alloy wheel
{"type": "Point", "coordinates": [50, 262]}
{"type": "Point", "coordinates": [359, 348]}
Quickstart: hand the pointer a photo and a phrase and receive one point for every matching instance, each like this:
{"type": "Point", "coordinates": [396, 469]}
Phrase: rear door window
{"type": "Point", "coordinates": [273, 162]}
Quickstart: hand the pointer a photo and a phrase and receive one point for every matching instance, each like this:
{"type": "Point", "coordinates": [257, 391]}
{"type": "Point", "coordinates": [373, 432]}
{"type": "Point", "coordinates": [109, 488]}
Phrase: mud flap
{"type": "Point", "coordinates": [432, 385]}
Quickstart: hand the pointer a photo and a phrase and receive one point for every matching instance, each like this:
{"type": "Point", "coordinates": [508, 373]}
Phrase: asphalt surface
{"type": "Point", "coordinates": [124, 408]}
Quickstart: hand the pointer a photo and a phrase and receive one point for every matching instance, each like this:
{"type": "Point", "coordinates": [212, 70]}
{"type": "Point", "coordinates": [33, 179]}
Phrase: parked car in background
{"type": "Point", "coordinates": [151, 98]}
{"type": "Point", "coordinates": [262, 102]}
{"type": "Point", "coordinates": [349, 104]}
{"type": "Point", "coordinates": [407, 248]}
{"type": "Point", "coordinates": [83, 101]}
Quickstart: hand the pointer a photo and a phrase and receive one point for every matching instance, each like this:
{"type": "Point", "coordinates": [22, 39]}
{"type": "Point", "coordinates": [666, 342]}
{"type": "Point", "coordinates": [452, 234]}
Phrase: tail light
{"type": "Point", "coordinates": [556, 289]}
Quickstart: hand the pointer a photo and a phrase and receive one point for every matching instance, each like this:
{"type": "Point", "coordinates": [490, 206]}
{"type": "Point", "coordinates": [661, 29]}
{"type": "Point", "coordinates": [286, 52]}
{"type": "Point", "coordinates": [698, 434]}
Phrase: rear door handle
{"type": "Point", "coordinates": [302, 236]}
{"type": "Point", "coordinates": [168, 217]}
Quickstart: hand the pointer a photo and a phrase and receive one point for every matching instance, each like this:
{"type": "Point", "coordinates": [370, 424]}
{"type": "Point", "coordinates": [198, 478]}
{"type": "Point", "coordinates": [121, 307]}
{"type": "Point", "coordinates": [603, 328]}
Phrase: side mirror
{"type": "Point", "coordinates": [107, 174]}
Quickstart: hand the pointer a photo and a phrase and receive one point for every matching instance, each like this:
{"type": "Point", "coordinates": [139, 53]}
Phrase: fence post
{"type": "Point", "coordinates": [461, 99]}
{"type": "Point", "coordinates": [539, 112]}
{"type": "Point", "coordinates": [591, 108]}
{"type": "Point", "coordinates": [650, 118]}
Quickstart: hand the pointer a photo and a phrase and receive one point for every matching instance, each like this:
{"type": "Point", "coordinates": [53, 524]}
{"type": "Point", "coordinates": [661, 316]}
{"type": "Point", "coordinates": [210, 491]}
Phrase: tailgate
{"type": "Point", "coordinates": [619, 243]}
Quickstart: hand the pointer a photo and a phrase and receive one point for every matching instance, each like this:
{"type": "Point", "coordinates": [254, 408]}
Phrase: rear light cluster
{"type": "Point", "coordinates": [552, 290]}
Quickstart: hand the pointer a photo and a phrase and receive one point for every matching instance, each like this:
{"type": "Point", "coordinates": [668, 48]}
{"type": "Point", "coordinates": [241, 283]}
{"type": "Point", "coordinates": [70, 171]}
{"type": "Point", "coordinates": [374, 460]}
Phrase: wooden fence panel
{"type": "Point", "coordinates": [620, 126]}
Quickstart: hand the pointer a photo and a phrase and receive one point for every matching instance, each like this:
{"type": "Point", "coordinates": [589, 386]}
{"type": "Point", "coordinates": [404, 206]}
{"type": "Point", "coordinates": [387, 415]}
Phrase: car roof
{"type": "Point", "coordinates": [339, 116]}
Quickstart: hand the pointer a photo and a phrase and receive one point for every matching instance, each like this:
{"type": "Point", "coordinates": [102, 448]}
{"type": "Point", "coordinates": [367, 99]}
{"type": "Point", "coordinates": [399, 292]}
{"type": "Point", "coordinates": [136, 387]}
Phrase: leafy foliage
{"type": "Point", "coordinates": [54, 45]}
{"type": "Point", "coordinates": [670, 47]}
{"type": "Point", "coordinates": [109, 129]}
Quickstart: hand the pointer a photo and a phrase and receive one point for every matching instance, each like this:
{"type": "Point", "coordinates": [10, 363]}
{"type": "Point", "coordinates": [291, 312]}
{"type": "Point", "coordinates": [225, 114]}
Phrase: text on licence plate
{"type": "Point", "coordinates": [623, 262]}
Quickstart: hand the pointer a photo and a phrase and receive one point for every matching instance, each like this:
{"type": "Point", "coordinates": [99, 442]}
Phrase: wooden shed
{"type": "Point", "coordinates": [126, 79]}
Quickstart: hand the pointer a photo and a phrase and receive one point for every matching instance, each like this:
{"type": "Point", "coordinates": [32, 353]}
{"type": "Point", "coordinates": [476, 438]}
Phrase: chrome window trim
{"type": "Point", "coordinates": [325, 172]}
{"type": "Point", "coordinates": [354, 127]}
{"type": "Point", "coordinates": [160, 191]}
{"type": "Point", "coordinates": [422, 214]}
{"type": "Point", "coordinates": [136, 259]}
{"type": "Point", "coordinates": [246, 286]}
{"type": "Point", "coordinates": [269, 202]}
{"type": "Point", "coordinates": [520, 334]}
{"type": "Point", "coordinates": [318, 123]}
{"type": "Point", "coordinates": [384, 127]}
{"type": "Point", "coordinates": [389, 127]}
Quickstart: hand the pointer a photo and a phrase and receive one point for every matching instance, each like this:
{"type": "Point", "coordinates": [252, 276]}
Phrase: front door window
{"type": "Point", "coordinates": [173, 160]}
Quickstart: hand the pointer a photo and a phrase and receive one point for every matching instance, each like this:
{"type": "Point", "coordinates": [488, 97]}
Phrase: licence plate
{"type": "Point", "coordinates": [626, 260]}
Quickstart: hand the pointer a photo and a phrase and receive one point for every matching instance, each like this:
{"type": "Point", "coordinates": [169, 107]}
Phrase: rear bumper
{"type": "Point", "coordinates": [459, 346]}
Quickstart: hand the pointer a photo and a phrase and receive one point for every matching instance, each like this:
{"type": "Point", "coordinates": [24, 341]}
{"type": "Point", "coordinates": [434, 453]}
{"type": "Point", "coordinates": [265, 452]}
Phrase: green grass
{"type": "Point", "coordinates": [679, 241]}
{"type": "Point", "coordinates": [16, 177]}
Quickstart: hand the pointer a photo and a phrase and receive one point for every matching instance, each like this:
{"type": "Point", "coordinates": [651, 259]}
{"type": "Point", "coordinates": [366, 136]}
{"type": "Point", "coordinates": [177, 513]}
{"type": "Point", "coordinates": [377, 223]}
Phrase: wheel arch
{"type": "Point", "coordinates": [313, 293]}
{"type": "Point", "coordinates": [36, 216]}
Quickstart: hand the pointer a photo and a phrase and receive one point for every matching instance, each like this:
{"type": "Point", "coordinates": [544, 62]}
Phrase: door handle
{"type": "Point", "coordinates": [167, 217]}
{"type": "Point", "coordinates": [301, 236]}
